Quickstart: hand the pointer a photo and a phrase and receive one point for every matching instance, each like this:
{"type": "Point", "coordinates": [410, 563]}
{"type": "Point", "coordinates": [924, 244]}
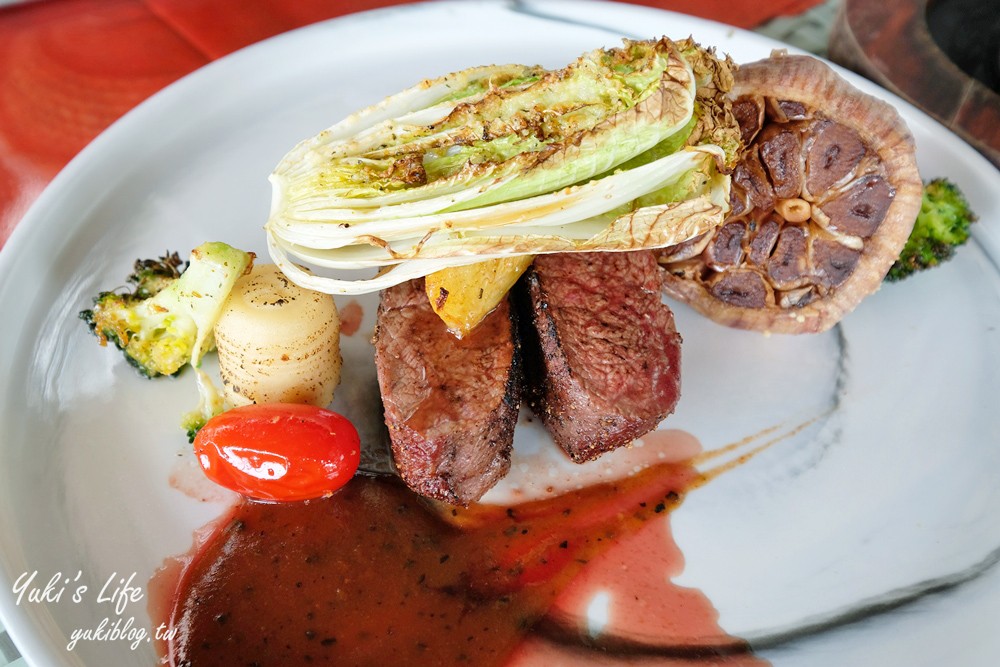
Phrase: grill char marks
{"type": "Point", "coordinates": [450, 404]}
{"type": "Point", "coordinates": [601, 348]}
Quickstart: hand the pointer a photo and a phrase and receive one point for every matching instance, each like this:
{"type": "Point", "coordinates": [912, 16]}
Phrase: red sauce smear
{"type": "Point", "coordinates": [350, 318]}
{"type": "Point", "coordinates": [376, 574]}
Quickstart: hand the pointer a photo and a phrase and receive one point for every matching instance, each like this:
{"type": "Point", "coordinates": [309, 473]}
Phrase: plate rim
{"type": "Point", "coordinates": [27, 634]}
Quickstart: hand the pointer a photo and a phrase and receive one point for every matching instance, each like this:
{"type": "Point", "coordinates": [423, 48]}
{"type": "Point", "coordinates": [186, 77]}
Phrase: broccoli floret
{"type": "Point", "coordinates": [154, 340]}
{"type": "Point", "coordinates": [942, 225]}
{"type": "Point", "coordinates": [150, 276]}
{"type": "Point", "coordinates": [166, 322]}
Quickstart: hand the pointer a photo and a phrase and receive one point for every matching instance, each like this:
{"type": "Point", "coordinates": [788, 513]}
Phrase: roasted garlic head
{"type": "Point", "coordinates": [822, 202]}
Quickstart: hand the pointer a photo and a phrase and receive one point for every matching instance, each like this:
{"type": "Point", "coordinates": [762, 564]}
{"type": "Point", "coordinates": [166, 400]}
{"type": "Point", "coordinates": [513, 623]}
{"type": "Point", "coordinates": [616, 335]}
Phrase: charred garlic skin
{"type": "Point", "coordinates": [822, 203]}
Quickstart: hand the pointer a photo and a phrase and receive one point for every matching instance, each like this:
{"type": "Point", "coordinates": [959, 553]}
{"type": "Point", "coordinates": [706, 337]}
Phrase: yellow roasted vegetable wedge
{"type": "Point", "coordinates": [463, 295]}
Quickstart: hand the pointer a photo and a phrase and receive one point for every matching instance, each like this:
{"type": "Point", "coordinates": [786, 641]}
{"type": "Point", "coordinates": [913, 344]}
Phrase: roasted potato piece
{"type": "Point", "coordinates": [463, 295]}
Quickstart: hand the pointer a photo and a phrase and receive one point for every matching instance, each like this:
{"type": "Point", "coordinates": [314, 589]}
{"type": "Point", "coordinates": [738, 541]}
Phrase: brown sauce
{"type": "Point", "coordinates": [375, 575]}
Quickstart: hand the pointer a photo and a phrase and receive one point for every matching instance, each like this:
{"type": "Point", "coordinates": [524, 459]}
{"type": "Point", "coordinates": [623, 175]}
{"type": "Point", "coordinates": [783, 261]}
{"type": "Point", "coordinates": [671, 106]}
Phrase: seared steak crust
{"type": "Point", "coordinates": [450, 404]}
{"type": "Point", "coordinates": [601, 351]}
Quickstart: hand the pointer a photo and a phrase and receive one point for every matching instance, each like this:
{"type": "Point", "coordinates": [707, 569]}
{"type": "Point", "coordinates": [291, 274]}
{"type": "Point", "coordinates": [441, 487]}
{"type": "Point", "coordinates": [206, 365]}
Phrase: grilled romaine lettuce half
{"type": "Point", "coordinates": [625, 148]}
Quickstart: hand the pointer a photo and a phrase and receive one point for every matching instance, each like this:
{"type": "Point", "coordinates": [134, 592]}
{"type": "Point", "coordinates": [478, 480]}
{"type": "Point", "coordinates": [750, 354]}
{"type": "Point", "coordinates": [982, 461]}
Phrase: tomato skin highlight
{"type": "Point", "coordinates": [279, 452]}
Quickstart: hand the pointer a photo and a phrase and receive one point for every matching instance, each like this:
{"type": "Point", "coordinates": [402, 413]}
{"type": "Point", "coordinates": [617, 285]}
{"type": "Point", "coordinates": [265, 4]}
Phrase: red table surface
{"type": "Point", "coordinates": [70, 68]}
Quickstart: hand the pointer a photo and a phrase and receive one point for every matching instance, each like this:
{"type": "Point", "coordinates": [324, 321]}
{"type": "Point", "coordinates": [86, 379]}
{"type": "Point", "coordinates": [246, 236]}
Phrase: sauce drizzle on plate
{"type": "Point", "coordinates": [376, 573]}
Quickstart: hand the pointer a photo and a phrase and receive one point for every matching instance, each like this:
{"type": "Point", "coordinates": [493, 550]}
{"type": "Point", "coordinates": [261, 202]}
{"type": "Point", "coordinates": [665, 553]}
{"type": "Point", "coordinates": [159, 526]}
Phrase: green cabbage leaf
{"type": "Point", "coordinates": [624, 148]}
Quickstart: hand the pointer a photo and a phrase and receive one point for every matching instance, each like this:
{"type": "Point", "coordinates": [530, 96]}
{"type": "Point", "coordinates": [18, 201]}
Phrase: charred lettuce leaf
{"type": "Point", "coordinates": [624, 148]}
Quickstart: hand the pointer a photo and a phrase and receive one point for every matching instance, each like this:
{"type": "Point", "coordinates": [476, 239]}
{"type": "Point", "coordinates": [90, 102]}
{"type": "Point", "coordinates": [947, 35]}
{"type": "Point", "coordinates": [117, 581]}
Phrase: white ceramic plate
{"type": "Point", "coordinates": [868, 538]}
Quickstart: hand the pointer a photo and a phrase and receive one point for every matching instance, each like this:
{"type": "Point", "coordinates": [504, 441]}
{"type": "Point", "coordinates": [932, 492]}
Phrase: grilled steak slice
{"type": "Point", "coordinates": [450, 404]}
{"type": "Point", "coordinates": [605, 346]}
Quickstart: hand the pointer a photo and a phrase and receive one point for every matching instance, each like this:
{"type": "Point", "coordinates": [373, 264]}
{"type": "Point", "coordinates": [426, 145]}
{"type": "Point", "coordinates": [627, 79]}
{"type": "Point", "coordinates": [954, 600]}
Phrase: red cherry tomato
{"type": "Point", "coordinates": [279, 451]}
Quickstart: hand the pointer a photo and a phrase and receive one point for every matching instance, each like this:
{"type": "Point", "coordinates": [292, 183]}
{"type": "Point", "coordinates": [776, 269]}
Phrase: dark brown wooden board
{"type": "Point", "coordinates": [891, 44]}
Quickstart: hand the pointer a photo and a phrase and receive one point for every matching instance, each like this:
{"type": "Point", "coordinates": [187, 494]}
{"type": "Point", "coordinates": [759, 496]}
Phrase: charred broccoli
{"type": "Point", "coordinates": [138, 328]}
{"type": "Point", "coordinates": [166, 321]}
{"type": "Point", "coordinates": [942, 225]}
{"type": "Point", "coordinates": [150, 276]}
